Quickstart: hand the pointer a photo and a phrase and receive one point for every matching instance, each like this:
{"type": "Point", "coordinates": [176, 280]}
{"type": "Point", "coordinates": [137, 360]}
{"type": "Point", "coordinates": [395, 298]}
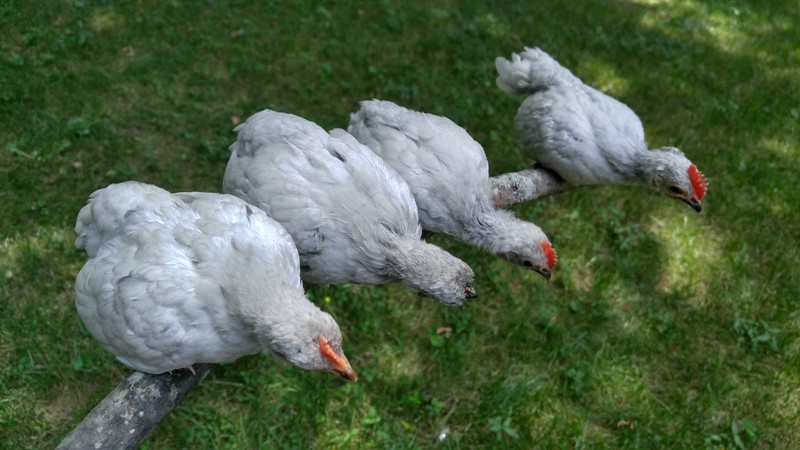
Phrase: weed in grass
{"type": "Point", "coordinates": [756, 334]}
{"type": "Point", "coordinates": [574, 382]}
{"type": "Point", "coordinates": [502, 428]}
{"type": "Point", "coordinates": [742, 435]}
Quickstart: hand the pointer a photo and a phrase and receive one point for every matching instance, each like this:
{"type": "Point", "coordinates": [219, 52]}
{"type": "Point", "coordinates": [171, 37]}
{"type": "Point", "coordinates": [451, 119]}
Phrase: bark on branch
{"type": "Point", "coordinates": [519, 187]}
{"type": "Point", "coordinates": [134, 409]}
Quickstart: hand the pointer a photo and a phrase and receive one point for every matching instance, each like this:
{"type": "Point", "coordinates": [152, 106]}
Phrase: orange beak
{"type": "Point", "coordinates": [341, 366]}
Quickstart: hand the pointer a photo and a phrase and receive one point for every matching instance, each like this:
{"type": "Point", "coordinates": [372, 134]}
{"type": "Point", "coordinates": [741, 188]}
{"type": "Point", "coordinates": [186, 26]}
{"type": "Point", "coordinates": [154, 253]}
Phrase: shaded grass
{"type": "Point", "coordinates": [661, 328]}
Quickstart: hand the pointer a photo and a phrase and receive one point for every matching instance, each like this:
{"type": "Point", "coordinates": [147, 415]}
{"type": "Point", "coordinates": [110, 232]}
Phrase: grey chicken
{"type": "Point", "coordinates": [178, 279]}
{"type": "Point", "coordinates": [588, 137]}
{"type": "Point", "coordinates": [352, 218]}
{"type": "Point", "coordinates": [448, 174]}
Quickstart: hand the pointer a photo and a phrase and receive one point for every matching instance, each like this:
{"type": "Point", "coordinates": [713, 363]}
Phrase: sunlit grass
{"type": "Point", "coordinates": [604, 77]}
{"type": "Point", "coordinates": [661, 328]}
{"type": "Point", "coordinates": [692, 251]}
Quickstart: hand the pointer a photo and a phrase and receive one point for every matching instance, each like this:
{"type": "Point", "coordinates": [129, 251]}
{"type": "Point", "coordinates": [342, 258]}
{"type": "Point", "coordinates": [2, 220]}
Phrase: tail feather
{"type": "Point", "coordinates": [111, 208]}
{"type": "Point", "coordinates": [530, 71]}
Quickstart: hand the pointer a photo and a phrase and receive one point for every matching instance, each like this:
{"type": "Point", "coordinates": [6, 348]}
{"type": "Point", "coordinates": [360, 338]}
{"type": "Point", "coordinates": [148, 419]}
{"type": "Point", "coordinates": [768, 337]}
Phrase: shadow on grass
{"type": "Point", "coordinates": [153, 97]}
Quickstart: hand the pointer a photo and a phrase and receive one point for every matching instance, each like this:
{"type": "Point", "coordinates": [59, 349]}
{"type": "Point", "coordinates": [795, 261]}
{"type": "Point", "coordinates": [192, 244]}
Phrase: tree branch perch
{"type": "Point", "coordinates": [514, 188]}
{"type": "Point", "coordinates": [127, 415]}
{"type": "Point", "coordinates": [134, 409]}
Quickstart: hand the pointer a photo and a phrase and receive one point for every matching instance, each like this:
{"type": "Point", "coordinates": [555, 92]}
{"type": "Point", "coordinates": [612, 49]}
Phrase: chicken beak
{"type": "Point", "coordinates": [471, 292]}
{"type": "Point", "coordinates": [694, 203]}
{"type": "Point", "coordinates": [344, 370]}
{"type": "Point", "coordinates": [341, 366]}
{"type": "Point", "coordinates": [545, 273]}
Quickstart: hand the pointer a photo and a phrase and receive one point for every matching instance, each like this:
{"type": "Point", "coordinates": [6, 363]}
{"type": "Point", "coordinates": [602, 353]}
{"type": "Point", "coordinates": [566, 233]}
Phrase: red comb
{"type": "Point", "coordinates": [699, 182]}
{"type": "Point", "coordinates": [550, 253]}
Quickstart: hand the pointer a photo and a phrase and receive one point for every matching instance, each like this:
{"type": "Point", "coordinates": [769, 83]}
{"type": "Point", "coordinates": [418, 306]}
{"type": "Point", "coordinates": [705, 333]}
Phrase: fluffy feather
{"type": "Point", "coordinates": [353, 218]}
{"type": "Point", "coordinates": [448, 174]}
{"type": "Point", "coordinates": [586, 136]}
{"type": "Point", "coordinates": [178, 279]}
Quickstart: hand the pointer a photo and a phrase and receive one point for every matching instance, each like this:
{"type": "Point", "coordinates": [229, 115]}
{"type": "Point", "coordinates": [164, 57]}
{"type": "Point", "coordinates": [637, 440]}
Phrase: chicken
{"type": "Point", "coordinates": [352, 218]}
{"type": "Point", "coordinates": [448, 174]}
{"type": "Point", "coordinates": [178, 279]}
{"type": "Point", "coordinates": [587, 137]}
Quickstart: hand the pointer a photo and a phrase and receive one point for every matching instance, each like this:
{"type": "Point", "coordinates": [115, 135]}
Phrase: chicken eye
{"type": "Point", "coordinates": [527, 264]}
{"type": "Point", "coordinates": [676, 190]}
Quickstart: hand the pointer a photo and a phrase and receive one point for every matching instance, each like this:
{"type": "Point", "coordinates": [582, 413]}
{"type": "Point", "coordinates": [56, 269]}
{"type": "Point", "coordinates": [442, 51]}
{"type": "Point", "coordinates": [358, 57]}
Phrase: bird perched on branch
{"type": "Point", "coordinates": [352, 218]}
{"type": "Point", "coordinates": [448, 174]}
{"type": "Point", "coordinates": [587, 137]}
{"type": "Point", "coordinates": [178, 279]}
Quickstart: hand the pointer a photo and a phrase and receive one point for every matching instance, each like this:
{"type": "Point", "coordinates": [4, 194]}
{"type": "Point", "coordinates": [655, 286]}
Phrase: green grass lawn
{"type": "Point", "coordinates": [661, 328]}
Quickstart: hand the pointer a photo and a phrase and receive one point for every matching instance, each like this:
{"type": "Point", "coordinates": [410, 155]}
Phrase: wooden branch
{"type": "Point", "coordinates": [518, 187]}
{"type": "Point", "coordinates": [135, 408]}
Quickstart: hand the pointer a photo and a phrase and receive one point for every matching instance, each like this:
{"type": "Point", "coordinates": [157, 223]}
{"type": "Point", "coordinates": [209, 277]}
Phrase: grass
{"type": "Point", "coordinates": [661, 328]}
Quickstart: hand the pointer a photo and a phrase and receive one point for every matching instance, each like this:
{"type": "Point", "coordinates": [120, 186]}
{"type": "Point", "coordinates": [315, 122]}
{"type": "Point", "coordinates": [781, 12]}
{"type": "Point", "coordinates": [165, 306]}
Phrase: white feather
{"type": "Point", "coordinates": [178, 279]}
{"type": "Point", "coordinates": [352, 217]}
